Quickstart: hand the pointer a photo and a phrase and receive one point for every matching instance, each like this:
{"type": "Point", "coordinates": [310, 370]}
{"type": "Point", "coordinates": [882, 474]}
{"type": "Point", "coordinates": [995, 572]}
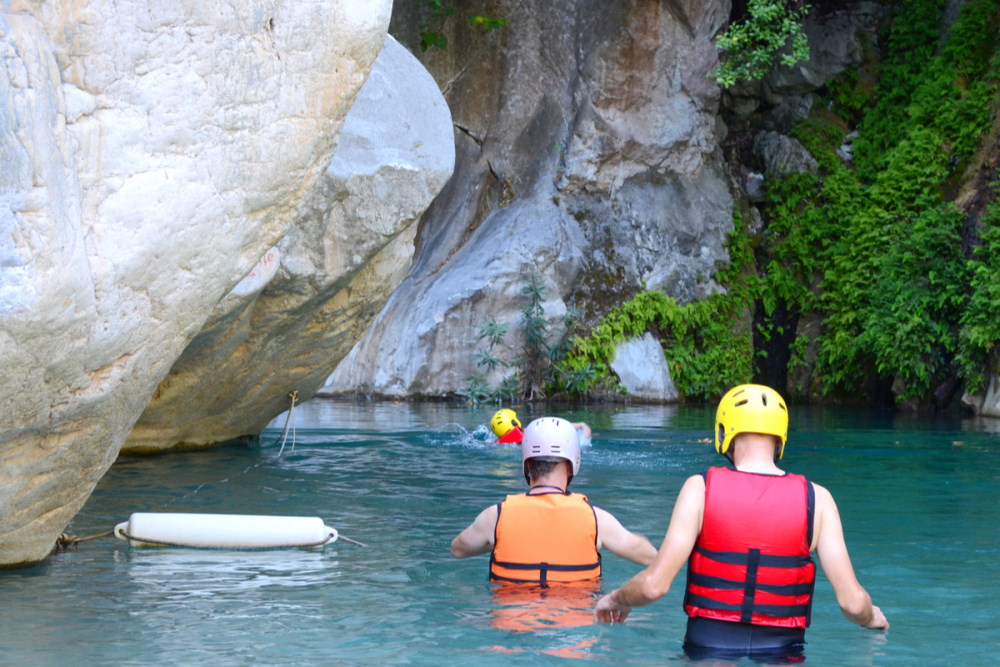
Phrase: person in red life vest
{"type": "Point", "coordinates": [507, 428]}
{"type": "Point", "coordinates": [548, 534]}
{"type": "Point", "coordinates": [747, 533]}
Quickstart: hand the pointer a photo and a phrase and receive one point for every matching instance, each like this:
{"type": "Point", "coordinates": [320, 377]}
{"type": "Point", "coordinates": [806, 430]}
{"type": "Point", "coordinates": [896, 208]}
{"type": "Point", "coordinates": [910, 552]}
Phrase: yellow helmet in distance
{"type": "Point", "coordinates": [503, 422]}
{"type": "Point", "coordinates": [750, 408]}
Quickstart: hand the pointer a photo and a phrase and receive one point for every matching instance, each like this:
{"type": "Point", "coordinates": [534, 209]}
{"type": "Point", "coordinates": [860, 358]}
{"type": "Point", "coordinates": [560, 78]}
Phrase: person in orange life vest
{"type": "Point", "coordinates": [548, 534]}
{"type": "Point", "coordinates": [747, 533]}
{"type": "Point", "coordinates": [507, 428]}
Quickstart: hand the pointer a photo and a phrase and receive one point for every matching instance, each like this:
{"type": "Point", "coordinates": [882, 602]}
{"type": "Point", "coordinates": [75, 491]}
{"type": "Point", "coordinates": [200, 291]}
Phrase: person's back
{"type": "Point", "coordinates": [549, 534]}
{"type": "Point", "coordinates": [755, 536]}
{"type": "Point", "coordinates": [544, 537]}
{"type": "Point", "coordinates": [747, 534]}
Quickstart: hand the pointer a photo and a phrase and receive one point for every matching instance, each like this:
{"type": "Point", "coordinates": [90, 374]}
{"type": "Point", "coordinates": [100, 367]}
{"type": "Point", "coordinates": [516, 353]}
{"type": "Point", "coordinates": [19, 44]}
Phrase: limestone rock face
{"type": "Point", "coordinates": [587, 151]}
{"type": "Point", "coordinates": [836, 43]}
{"type": "Point", "coordinates": [152, 154]}
{"type": "Point", "coordinates": [310, 298]}
{"type": "Point", "coordinates": [987, 405]}
{"type": "Point", "coordinates": [643, 371]}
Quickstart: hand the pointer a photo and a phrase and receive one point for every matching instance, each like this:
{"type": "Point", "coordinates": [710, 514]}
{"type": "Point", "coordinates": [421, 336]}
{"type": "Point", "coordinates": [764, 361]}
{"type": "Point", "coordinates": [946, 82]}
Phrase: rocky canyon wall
{"type": "Point", "coordinates": [588, 151]}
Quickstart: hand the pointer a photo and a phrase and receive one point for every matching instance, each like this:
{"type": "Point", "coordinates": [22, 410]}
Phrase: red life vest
{"type": "Point", "coordinates": [547, 537]}
{"type": "Point", "coordinates": [512, 437]}
{"type": "Point", "coordinates": [751, 562]}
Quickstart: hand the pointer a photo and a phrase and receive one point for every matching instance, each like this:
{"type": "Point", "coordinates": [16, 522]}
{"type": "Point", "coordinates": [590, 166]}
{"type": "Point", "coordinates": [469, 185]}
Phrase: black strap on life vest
{"type": "Point", "coordinates": [720, 584]}
{"type": "Point", "coordinates": [753, 560]}
{"type": "Point", "coordinates": [811, 509]}
{"type": "Point", "coordinates": [543, 569]}
{"type": "Point", "coordinates": [779, 610]}
{"type": "Point", "coordinates": [743, 558]}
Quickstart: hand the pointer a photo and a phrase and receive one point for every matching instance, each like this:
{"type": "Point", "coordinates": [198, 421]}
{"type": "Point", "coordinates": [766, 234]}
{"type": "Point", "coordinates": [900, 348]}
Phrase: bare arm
{"type": "Point", "coordinates": [622, 542]}
{"type": "Point", "coordinates": [478, 537]}
{"type": "Point", "coordinates": [853, 599]}
{"type": "Point", "coordinates": [653, 583]}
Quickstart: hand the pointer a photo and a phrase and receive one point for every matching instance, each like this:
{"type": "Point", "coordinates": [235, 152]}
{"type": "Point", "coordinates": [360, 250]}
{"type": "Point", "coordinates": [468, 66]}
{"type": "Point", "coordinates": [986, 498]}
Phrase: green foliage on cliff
{"type": "Point", "coordinates": [871, 248]}
{"type": "Point", "coordinates": [705, 351]}
{"type": "Point", "coordinates": [438, 11]}
{"type": "Point", "coordinates": [979, 335]}
{"type": "Point", "coordinates": [896, 282]}
{"type": "Point", "coordinates": [535, 365]}
{"type": "Point", "coordinates": [751, 44]}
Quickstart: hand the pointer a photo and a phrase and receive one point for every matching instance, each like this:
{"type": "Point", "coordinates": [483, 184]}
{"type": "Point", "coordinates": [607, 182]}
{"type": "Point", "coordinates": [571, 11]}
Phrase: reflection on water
{"type": "Point", "coordinates": [182, 574]}
{"type": "Point", "coordinates": [918, 498]}
{"type": "Point", "coordinates": [530, 608]}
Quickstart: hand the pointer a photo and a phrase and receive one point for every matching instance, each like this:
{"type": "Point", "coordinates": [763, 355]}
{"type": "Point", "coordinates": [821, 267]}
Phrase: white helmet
{"type": "Point", "coordinates": [551, 437]}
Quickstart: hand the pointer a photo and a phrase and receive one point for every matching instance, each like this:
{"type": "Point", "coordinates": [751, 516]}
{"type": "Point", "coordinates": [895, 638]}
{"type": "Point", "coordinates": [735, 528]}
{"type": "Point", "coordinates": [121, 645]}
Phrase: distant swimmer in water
{"type": "Point", "coordinates": [507, 428]}
{"type": "Point", "coordinates": [549, 535]}
{"type": "Point", "coordinates": [746, 533]}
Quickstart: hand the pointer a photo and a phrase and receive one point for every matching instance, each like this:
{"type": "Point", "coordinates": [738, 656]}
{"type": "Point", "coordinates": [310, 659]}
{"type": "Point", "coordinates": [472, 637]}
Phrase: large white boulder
{"type": "Point", "coordinates": [286, 325]}
{"type": "Point", "coordinates": [153, 153]}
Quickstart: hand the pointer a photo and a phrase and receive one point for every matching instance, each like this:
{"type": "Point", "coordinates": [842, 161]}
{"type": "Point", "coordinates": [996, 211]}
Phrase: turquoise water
{"type": "Point", "coordinates": [919, 500]}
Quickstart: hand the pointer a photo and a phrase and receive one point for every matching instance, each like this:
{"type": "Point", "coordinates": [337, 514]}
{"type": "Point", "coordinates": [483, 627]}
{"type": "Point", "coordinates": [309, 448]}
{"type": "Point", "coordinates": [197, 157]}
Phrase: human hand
{"type": "Point", "coordinates": [878, 621]}
{"type": "Point", "coordinates": [608, 611]}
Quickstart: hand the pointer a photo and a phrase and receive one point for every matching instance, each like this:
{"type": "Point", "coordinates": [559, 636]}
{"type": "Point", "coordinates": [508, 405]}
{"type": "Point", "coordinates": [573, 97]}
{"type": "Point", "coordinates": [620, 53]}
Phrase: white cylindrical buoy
{"type": "Point", "coordinates": [224, 531]}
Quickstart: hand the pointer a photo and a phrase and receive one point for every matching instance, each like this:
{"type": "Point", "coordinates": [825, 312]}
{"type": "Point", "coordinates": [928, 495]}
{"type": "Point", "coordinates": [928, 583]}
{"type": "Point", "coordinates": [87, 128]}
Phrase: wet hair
{"type": "Point", "coordinates": [540, 466]}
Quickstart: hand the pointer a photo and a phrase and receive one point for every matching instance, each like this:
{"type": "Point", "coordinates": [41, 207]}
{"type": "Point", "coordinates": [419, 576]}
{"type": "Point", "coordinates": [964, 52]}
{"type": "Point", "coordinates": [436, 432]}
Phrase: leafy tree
{"type": "Point", "coordinates": [749, 46]}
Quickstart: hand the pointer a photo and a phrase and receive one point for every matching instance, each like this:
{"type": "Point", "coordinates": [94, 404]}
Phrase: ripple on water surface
{"type": "Point", "coordinates": [919, 516]}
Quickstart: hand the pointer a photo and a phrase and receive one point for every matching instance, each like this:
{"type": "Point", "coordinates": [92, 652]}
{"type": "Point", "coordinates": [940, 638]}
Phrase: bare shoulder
{"type": "Point", "coordinates": [691, 499]}
{"type": "Point", "coordinates": [823, 496]}
{"type": "Point", "coordinates": [490, 514]}
{"type": "Point", "coordinates": [695, 484]}
{"type": "Point", "coordinates": [604, 516]}
{"type": "Point", "coordinates": [695, 480]}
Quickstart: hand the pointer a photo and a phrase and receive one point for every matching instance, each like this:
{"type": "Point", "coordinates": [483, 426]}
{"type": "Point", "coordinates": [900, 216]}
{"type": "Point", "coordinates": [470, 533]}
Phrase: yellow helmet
{"type": "Point", "coordinates": [503, 421]}
{"type": "Point", "coordinates": [750, 408]}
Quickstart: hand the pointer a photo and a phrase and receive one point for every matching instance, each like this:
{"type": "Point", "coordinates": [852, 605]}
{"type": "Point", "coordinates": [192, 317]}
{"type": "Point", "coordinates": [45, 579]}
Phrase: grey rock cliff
{"type": "Point", "coordinates": [587, 150]}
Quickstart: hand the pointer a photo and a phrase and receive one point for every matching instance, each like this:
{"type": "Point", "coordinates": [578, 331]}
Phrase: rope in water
{"type": "Point", "coordinates": [284, 432]}
{"type": "Point", "coordinates": [65, 542]}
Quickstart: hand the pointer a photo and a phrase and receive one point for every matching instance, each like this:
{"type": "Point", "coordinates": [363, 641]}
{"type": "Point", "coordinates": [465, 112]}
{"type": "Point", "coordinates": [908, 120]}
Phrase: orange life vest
{"type": "Point", "coordinates": [751, 562]}
{"type": "Point", "coordinates": [546, 537]}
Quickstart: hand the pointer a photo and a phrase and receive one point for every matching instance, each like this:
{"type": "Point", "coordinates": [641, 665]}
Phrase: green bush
{"type": "Point", "coordinates": [705, 351]}
{"type": "Point", "coordinates": [535, 365]}
{"type": "Point", "coordinates": [749, 45]}
{"type": "Point", "coordinates": [980, 322]}
{"type": "Point", "coordinates": [872, 249]}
